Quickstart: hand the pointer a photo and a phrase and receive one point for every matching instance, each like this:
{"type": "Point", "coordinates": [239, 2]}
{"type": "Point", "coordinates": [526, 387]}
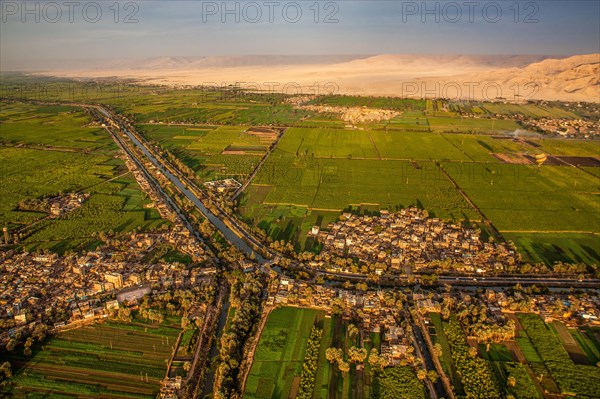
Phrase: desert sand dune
{"type": "Point", "coordinates": [513, 78]}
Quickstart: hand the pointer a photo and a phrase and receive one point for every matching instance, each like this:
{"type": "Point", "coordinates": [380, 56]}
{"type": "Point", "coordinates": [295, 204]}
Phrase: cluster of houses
{"type": "Point", "coordinates": [410, 238]}
{"type": "Point", "coordinates": [571, 128]}
{"type": "Point", "coordinates": [157, 202]}
{"type": "Point", "coordinates": [572, 311]}
{"type": "Point", "coordinates": [35, 287]}
{"type": "Point", "coordinates": [369, 307]}
{"type": "Point", "coordinates": [223, 186]}
{"type": "Point", "coordinates": [67, 203]}
{"type": "Point", "coordinates": [169, 388]}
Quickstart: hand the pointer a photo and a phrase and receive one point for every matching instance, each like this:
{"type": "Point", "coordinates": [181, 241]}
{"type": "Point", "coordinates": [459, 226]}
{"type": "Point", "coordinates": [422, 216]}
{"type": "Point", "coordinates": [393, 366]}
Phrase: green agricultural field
{"type": "Point", "coordinates": [588, 343]}
{"type": "Point", "coordinates": [321, 169]}
{"type": "Point", "coordinates": [284, 222]}
{"type": "Point", "coordinates": [571, 147]}
{"type": "Point", "coordinates": [356, 383]}
{"type": "Point", "coordinates": [323, 374]}
{"type": "Point", "coordinates": [196, 106]}
{"type": "Point", "coordinates": [414, 121]}
{"type": "Point", "coordinates": [496, 353]}
{"type": "Point", "coordinates": [291, 193]}
{"type": "Point", "coordinates": [504, 365]}
{"type": "Point", "coordinates": [223, 105]}
{"type": "Point", "coordinates": [471, 125]}
{"type": "Point", "coordinates": [323, 120]}
{"type": "Point", "coordinates": [553, 247]}
{"type": "Point", "coordinates": [476, 374]}
{"type": "Point", "coordinates": [334, 143]}
{"type": "Point", "coordinates": [74, 158]}
{"type": "Point", "coordinates": [219, 139]}
{"type": "Point", "coordinates": [369, 144]}
{"type": "Point", "coordinates": [571, 345]}
{"type": "Point", "coordinates": [524, 388]}
{"type": "Point", "coordinates": [100, 213]}
{"type": "Point", "coordinates": [527, 348]}
{"type": "Point", "coordinates": [479, 148]}
{"type": "Point", "coordinates": [335, 184]}
{"type": "Point", "coordinates": [416, 146]}
{"type": "Point", "coordinates": [532, 199]}
{"type": "Point", "coordinates": [571, 378]}
{"type": "Point", "coordinates": [531, 110]}
{"type": "Point", "coordinates": [279, 356]}
{"type": "Point", "coordinates": [446, 358]}
{"type": "Point", "coordinates": [223, 166]}
{"type": "Point", "coordinates": [59, 127]}
{"type": "Point", "coordinates": [107, 360]}
{"type": "Point", "coordinates": [592, 170]}
{"type": "Point", "coordinates": [399, 383]}
{"type": "Point", "coordinates": [200, 148]}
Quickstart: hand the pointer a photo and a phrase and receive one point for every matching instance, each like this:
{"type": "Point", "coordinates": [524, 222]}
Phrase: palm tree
{"type": "Point", "coordinates": [187, 366]}
{"type": "Point", "coordinates": [437, 350]}
{"type": "Point", "coordinates": [344, 367]}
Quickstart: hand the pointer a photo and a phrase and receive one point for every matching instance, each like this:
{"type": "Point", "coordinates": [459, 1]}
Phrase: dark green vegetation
{"type": "Point", "coordinates": [502, 369]}
{"type": "Point", "coordinates": [351, 364]}
{"type": "Point", "coordinates": [108, 360]}
{"type": "Point", "coordinates": [446, 358]}
{"type": "Point", "coordinates": [453, 123]}
{"type": "Point", "coordinates": [370, 102]}
{"type": "Point", "coordinates": [476, 375]}
{"type": "Point", "coordinates": [489, 109]}
{"type": "Point", "coordinates": [399, 383]}
{"type": "Point", "coordinates": [514, 378]}
{"type": "Point", "coordinates": [245, 299]}
{"type": "Point", "coordinates": [588, 343]}
{"type": "Point", "coordinates": [49, 150]}
{"type": "Point", "coordinates": [280, 353]}
{"type": "Point", "coordinates": [323, 373]}
{"type": "Point", "coordinates": [551, 247]}
{"type": "Point", "coordinates": [572, 379]}
{"type": "Point", "coordinates": [309, 368]}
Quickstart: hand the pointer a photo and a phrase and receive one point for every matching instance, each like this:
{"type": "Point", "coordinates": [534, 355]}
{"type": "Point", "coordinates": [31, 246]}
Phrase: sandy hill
{"type": "Point", "coordinates": [514, 78]}
{"type": "Point", "coordinates": [574, 78]}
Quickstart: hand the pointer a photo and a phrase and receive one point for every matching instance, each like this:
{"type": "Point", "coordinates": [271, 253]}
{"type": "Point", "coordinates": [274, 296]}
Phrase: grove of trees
{"type": "Point", "coordinates": [475, 373]}
{"type": "Point", "coordinates": [309, 368]}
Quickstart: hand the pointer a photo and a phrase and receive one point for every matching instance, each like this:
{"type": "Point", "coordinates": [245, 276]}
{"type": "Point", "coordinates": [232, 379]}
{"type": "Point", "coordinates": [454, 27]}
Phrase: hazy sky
{"type": "Point", "coordinates": [35, 32]}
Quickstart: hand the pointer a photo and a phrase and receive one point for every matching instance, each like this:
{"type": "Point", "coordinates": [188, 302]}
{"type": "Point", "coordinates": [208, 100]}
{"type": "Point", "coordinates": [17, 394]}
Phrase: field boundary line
{"type": "Point", "coordinates": [455, 146]}
{"type": "Point", "coordinates": [248, 181]}
{"type": "Point", "coordinates": [253, 345]}
{"type": "Point", "coordinates": [374, 145]}
{"type": "Point", "coordinates": [464, 194]}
